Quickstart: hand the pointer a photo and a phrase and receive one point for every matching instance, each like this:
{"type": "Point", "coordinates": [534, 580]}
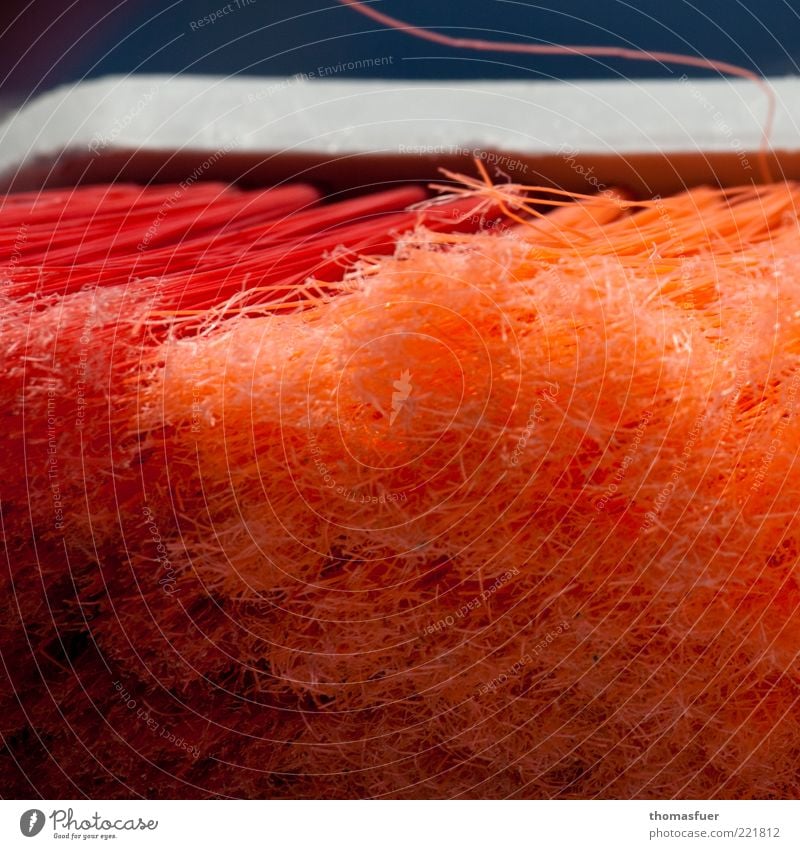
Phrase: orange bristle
{"type": "Point", "coordinates": [503, 513]}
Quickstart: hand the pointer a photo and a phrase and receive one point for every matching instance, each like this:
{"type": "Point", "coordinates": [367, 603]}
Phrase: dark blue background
{"type": "Point", "coordinates": [44, 42]}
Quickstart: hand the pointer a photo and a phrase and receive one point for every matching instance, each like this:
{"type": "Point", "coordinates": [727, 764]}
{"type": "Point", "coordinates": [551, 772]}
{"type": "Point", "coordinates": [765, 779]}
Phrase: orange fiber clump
{"type": "Point", "coordinates": [504, 514]}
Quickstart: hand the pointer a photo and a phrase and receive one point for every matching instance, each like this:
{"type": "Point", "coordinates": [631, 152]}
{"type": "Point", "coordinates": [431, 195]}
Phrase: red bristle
{"type": "Point", "coordinates": [126, 236]}
{"type": "Point", "coordinates": [89, 611]}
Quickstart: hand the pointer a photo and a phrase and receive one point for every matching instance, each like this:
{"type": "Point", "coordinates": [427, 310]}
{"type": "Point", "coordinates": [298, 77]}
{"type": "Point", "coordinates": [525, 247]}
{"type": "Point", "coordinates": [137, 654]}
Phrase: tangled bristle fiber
{"type": "Point", "coordinates": [506, 513]}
